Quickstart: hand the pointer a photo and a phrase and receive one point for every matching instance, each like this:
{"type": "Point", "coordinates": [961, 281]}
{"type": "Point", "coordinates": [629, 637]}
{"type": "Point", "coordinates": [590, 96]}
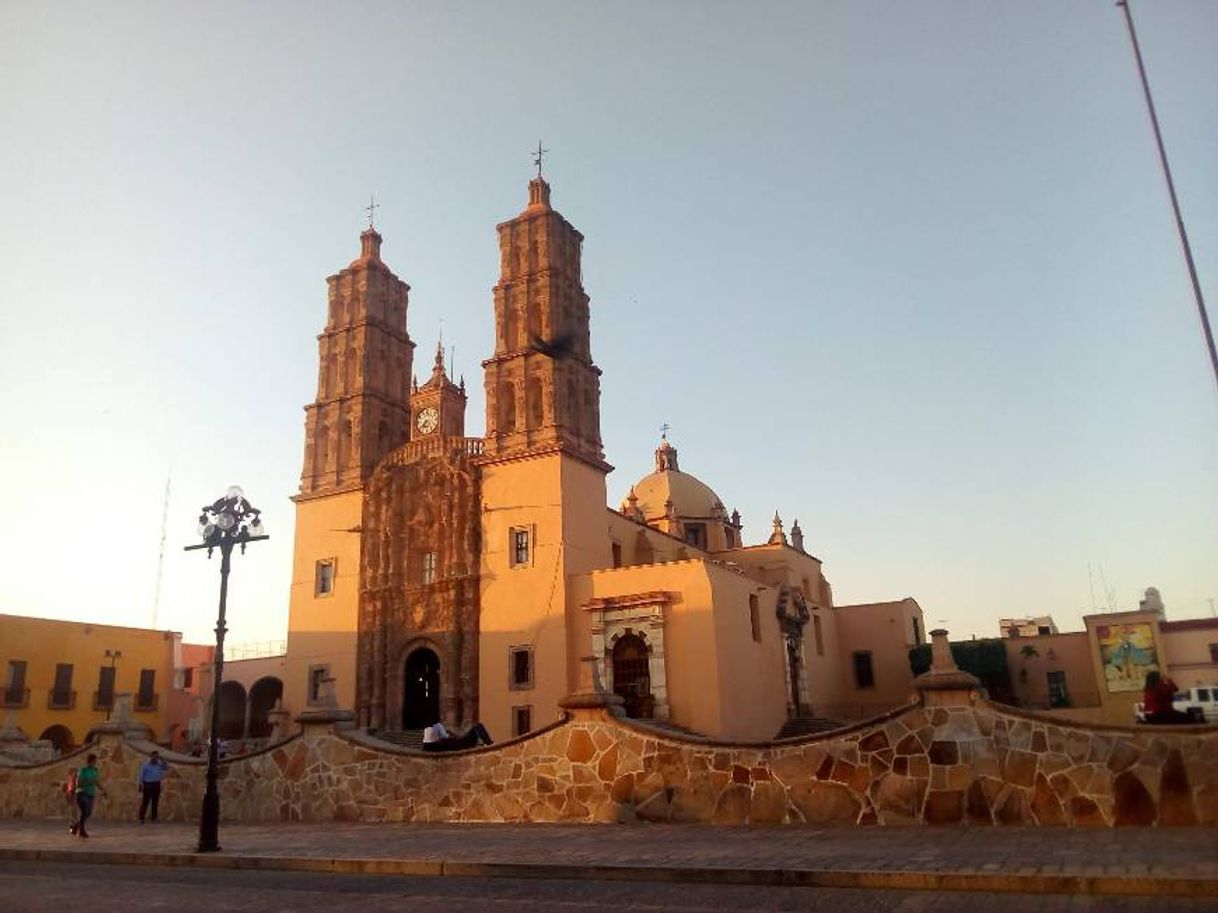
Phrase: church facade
{"type": "Point", "coordinates": [444, 576]}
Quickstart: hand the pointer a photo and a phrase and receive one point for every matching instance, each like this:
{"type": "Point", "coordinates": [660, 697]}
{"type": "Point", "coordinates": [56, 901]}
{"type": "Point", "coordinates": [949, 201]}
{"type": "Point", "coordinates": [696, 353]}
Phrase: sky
{"type": "Point", "coordinates": [905, 272]}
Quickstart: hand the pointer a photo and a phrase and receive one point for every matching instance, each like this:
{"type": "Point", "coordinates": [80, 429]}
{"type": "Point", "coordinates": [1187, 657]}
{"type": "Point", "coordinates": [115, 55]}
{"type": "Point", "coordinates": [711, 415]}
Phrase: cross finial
{"type": "Point", "coordinates": [664, 429]}
{"type": "Point", "coordinates": [371, 209]}
{"type": "Point", "coordinates": [537, 157]}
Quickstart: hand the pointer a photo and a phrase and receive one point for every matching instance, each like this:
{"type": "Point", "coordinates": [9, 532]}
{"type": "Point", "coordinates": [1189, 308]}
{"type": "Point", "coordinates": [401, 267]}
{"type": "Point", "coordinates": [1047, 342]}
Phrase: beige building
{"type": "Point", "coordinates": [1098, 673]}
{"type": "Point", "coordinates": [440, 576]}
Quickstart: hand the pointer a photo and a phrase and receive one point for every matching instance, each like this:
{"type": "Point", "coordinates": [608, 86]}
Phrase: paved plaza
{"type": "Point", "coordinates": [1181, 862]}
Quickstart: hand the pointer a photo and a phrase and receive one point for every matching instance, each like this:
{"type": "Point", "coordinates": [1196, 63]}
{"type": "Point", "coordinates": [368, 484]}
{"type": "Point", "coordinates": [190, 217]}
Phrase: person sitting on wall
{"type": "Point", "coordinates": [1156, 701]}
{"type": "Point", "coordinates": [436, 737]}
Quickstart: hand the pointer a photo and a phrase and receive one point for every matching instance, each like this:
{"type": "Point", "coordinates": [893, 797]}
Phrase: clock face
{"type": "Point", "coordinates": [427, 420]}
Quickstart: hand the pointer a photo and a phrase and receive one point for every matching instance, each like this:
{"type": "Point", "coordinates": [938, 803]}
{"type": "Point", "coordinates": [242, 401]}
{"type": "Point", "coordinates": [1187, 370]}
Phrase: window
{"type": "Point", "coordinates": [14, 692]}
{"type": "Point", "coordinates": [917, 631]}
{"type": "Point", "coordinates": [1214, 653]}
{"type": "Point", "coordinates": [61, 691]}
{"type": "Point", "coordinates": [145, 698]}
{"type": "Point", "coordinates": [317, 675]}
{"type": "Point", "coordinates": [1058, 695]}
{"type": "Point", "coordinates": [617, 554]}
{"type": "Point", "coordinates": [864, 675]}
{"type": "Point", "coordinates": [695, 535]}
{"type": "Point", "coordinates": [1043, 630]}
{"type": "Point", "coordinates": [519, 544]}
{"type": "Point", "coordinates": [522, 720]}
{"type": "Point", "coordinates": [806, 587]}
{"type": "Point", "coordinates": [755, 618]}
{"type": "Point", "coordinates": [820, 637]}
{"type": "Point", "coordinates": [188, 677]}
{"type": "Point", "coordinates": [1203, 695]}
{"type": "Point", "coordinates": [105, 688]}
{"type": "Point", "coordinates": [323, 582]}
{"type": "Point", "coordinates": [520, 661]}
{"type": "Point", "coordinates": [429, 567]}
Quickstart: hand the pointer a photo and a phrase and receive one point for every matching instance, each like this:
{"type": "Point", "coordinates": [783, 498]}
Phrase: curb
{"type": "Point", "coordinates": [1012, 882]}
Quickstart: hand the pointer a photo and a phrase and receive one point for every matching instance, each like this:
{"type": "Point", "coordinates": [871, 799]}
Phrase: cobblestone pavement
{"type": "Point", "coordinates": [51, 888]}
{"type": "Point", "coordinates": [1157, 852]}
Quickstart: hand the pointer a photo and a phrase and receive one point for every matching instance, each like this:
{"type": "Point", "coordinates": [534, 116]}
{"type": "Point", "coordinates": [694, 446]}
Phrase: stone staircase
{"type": "Point", "coordinates": [806, 725]}
{"type": "Point", "coordinates": [407, 738]}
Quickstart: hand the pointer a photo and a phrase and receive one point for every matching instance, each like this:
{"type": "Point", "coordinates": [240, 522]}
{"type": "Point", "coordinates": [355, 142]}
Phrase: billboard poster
{"type": "Point", "coordinates": [1127, 653]}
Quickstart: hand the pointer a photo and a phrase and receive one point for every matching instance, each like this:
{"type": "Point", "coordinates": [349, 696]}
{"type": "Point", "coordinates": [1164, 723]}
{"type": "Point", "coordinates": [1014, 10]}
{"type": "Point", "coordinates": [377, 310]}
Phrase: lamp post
{"type": "Point", "coordinates": [230, 521]}
{"type": "Point", "coordinates": [114, 656]}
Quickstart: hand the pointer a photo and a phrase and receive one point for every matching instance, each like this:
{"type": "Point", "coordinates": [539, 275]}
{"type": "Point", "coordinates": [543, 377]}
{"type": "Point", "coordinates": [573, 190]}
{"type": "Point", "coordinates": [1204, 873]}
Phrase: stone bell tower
{"type": "Point", "coordinates": [542, 389]}
{"type": "Point", "coordinates": [364, 366]}
{"type": "Point", "coordinates": [543, 471]}
{"type": "Point", "coordinates": [360, 414]}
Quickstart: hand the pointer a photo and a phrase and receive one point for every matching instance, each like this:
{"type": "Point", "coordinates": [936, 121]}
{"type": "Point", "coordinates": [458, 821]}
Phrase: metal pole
{"type": "Point", "coordinates": [209, 823]}
{"type": "Point", "coordinates": [1171, 190]}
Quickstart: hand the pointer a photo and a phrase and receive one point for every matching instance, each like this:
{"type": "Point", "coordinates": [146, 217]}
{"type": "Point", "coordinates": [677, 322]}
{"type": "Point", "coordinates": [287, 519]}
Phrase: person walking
{"type": "Point", "coordinates": [152, 772]}
{"type": "Point", "coordinates": [88, 784]}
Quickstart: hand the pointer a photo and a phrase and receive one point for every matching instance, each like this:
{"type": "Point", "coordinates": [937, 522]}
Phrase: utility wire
{"type": "Point", "coordinates": [1171, 189]}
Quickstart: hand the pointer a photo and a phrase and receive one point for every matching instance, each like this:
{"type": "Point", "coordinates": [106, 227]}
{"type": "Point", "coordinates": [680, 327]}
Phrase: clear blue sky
{"type": "Point", "coordinates": [905, 271]}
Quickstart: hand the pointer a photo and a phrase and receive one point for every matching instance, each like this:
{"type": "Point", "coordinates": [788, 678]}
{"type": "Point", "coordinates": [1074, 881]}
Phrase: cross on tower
{"type": "Point", "coordinates": [371, 208]}
{"type": "Point", "coordinates": [537, 157]}
{"type": "Point", "coordinates": [664, 429]}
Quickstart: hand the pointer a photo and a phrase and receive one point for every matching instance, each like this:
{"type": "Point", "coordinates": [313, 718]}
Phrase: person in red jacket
{"type": "Point", "coordinates": [1156, 700]}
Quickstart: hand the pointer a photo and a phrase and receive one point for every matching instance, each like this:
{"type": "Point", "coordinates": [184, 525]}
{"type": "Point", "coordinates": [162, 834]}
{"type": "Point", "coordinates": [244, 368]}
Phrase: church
{"type": "Point", "coordinates": [441, 575]}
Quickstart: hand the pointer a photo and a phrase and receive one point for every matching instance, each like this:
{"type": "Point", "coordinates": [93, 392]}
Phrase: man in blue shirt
{"type": "Point", "coordinates": [152, 772]}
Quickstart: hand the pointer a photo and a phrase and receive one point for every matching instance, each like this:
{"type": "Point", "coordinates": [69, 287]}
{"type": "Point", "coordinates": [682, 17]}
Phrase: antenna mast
{"type": "Point", "coordinates": [160, 560]}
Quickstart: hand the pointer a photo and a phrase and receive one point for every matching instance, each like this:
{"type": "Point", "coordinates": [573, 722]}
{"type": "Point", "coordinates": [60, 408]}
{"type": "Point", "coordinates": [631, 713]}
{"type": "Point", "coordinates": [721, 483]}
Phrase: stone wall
{"type": "Point", "coordinates": [952, 758]}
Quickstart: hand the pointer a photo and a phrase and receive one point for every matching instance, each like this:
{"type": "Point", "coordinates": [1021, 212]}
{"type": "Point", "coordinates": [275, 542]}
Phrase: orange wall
{"type": "Point", "coordinates": [323, 629]}
{"type": "Point", "coordinates": [1071, 653]}
{"type": "Point", "coordinates": [885, 629]}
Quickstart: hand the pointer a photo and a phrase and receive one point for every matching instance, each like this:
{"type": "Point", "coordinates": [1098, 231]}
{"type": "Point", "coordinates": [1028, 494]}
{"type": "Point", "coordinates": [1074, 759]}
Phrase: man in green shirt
{"type": "Point", "coordinates": [88, 783]}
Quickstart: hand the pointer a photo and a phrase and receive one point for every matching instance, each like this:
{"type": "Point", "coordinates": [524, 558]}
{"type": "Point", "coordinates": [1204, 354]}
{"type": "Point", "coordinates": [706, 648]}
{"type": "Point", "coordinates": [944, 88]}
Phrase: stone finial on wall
{"type": "Point", "coordinates": [591, 694]}
{"type": "Point", "coordinates": [278, 719]}
{"type": "Point", "coordinates": [945, 684]}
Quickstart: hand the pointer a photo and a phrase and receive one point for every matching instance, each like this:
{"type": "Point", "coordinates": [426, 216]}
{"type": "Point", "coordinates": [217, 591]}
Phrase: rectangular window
{"type": "Point", "coordinates": [820, 637]}
{"type": "Point", "coordinates": [188, 677]}
{"type": "Point", "coordinates": [323, 581]}
{"type": "Point", "coordinates": [519, 544]}
{"type": "Point", "coordinates": [317, 675]}
{"type": "Point", "coordinates": [145, 698]}
{"type": "Point", "coordinates": [617, 554]}
{"type": "Point", "coordinates": [105, 688]}
{"type": "Point", "coordinates": [61, 691]}
{"type": "Point", "coordinates": [755, 618]}
{"type": "Point", "coordinates": [864, 675]}
{"type": "Point", "coordinates": [429, 567]}
{"type": "Point", "coordinates": [1058, 695]}
{"type": "Point", "coordinates": [1043, 630]}
{"type": "Point", "coordinates": [522, 720]}
{"type": "Point", "coordinates": [1214, 653]}
{"type": "Point", "coordinates": [1203, 695]}
{"type": "Point", "coordinates": [695, 535]}
{"type": "Point", "coordinates": [520, 661]}
{"type": "Point", "coordinates": [14, 690]}
{"type": "Point", "coordinates": [917, 631]}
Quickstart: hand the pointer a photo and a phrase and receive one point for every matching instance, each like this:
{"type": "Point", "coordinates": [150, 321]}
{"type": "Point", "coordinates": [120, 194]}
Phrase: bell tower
{"type": "Point", "coordinates": [360, 413]}
{"type": "Point", "coordinates": [364, 362]}
{"type": "Point", "coordinates": [438, 406]}
{"type": "Point", "coordinates": [542, 389]}
{"type": "Point", "coordinates": [543, 469]}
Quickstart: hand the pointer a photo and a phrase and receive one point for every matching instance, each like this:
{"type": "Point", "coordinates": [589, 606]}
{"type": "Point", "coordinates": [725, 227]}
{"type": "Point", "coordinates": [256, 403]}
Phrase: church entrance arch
{"type": "Point", "coordinates": [421, 689]}
{"type": "Point", "coordinates": [632, 676]}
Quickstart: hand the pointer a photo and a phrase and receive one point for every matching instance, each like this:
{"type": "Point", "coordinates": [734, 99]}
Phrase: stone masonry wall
{"type": "Point", "coordinates": [975, 763]}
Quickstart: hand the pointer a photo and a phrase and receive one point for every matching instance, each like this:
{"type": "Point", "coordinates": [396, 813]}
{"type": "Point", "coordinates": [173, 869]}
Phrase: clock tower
{"type": "Point", "coordinates": [438, 406]}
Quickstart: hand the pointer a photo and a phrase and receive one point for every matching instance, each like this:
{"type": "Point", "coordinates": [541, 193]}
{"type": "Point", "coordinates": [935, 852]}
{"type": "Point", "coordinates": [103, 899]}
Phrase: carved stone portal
{"type": "Point", "coordinates": [419, 580]}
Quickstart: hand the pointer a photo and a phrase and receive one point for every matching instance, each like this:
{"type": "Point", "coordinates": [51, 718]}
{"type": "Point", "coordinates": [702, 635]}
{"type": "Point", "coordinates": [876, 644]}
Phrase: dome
{"type": "Point", "coordinates": [690, 496]}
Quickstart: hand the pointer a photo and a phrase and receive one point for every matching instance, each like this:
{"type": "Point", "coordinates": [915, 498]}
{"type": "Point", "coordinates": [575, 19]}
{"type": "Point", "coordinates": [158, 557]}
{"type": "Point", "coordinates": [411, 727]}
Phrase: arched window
{"type": "Point", "coordinates": [533, 396]}
{"type": "Point", "coordinates": [263, 696]}
{"type": "Point", "coordinates": [232, 710]}
{"type": "Point", "coordinates": [507, 407]}
{"type": "Point", "coordinates": [511, 324]}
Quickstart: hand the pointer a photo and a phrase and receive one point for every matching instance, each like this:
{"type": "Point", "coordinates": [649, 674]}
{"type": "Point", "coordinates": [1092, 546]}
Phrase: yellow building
{"type": "Point", "coordinates": [439, 576]}
{"type": "Point", "coordinates": [61, 678]}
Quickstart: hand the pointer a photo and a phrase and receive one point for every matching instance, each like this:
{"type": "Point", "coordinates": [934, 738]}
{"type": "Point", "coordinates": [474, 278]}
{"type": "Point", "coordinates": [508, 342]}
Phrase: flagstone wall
{"type": "Point", "coordinates": [953, 758]}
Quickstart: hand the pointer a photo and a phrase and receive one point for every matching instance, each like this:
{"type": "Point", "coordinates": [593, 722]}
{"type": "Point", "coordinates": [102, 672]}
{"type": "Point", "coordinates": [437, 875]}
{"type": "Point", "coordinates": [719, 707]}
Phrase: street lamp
{"type": "Point", "coordinates": [114, 656]}
{"type": "Point", "coordinates": [230, 521]}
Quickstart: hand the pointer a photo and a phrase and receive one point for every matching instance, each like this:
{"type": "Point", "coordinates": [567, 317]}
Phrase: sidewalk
{"type": "Point", "coordinates": [1179, 862]}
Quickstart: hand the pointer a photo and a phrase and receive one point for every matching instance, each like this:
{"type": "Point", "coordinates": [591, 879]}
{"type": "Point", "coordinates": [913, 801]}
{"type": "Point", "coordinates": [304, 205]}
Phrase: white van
{"type": "Point", "coordinates": [1200, 703]}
